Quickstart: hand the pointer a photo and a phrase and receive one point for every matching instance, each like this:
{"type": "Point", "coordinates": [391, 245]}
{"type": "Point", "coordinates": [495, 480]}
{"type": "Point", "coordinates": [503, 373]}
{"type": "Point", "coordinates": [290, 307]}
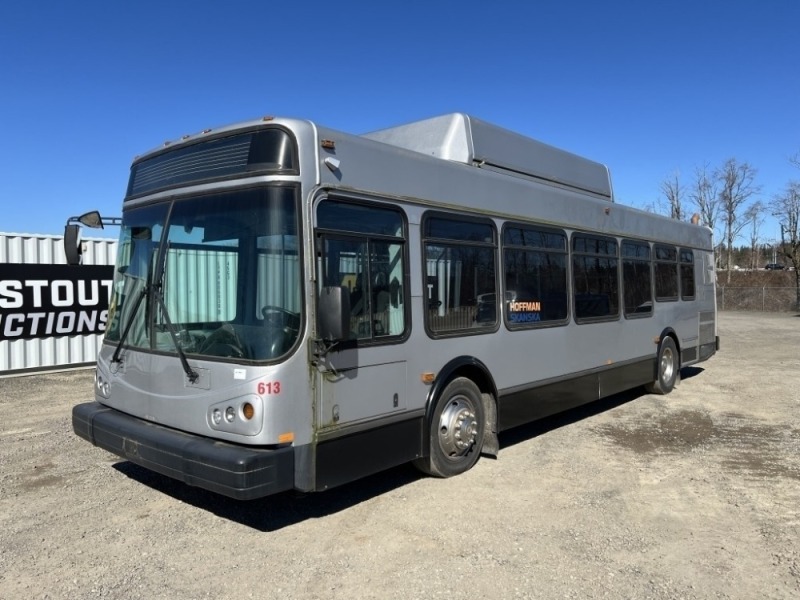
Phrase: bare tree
{"type": "Point", "coordinates": [654, 207]}
{"type": "Point", "coordinates": [736, 186]}
{"type": "Point", "coordinates": [786, 207]}
{"type": "Point", "coordinates": [754, 216]}
{"type": "Point", "coordinates": [703, 195]}
{"type": "Point", "coordinates": [674, 192]}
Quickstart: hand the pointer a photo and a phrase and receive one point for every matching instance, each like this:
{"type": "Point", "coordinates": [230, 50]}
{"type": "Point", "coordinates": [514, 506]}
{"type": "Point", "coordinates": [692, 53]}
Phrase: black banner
{"type": "Point", "coordinates": [42, 301]}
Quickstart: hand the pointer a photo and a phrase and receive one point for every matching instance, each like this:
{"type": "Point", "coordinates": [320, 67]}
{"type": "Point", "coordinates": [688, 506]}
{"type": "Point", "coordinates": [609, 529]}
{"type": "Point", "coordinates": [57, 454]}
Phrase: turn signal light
{"type": "Point", "coordinates": [248, 412]}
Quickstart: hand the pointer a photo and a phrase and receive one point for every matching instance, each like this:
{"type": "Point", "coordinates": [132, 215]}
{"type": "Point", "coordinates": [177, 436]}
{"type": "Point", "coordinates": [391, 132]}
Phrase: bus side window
{"type": "Point", "coordinates": [595, 277]}
{"type": "Point", "coordinates": [460, 258]}
{"type": "Point", "coordinates": [535, 263]}
{"type": "Point", "coordinates": [687, 274]}
{"type": "Point", "coordinates": [666, 272]}
{"type": "Point", "coordinates": [637, 283]}
{"type": "Point", "coordinates": [363, 250]}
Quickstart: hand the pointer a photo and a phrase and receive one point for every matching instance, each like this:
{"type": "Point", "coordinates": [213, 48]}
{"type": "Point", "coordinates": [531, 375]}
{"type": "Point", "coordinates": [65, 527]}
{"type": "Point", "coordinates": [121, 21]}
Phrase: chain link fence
{"type": "Point", "coordinates": [763, 298]}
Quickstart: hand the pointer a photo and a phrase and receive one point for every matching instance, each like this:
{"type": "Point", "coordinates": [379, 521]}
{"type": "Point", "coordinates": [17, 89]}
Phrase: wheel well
{"type": "Point", "coordinates": [671, 333]}
{"type": "Point", "coordinates": [463, 366]}
{"type": "Point", "coordinates": [477, 376]}
{"type": "Point", "coordinates": [664, 385]}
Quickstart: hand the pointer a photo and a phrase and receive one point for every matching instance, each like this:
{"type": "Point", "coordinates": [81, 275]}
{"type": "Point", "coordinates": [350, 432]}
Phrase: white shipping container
{"type": "Point", "coordinates": [30, 355]}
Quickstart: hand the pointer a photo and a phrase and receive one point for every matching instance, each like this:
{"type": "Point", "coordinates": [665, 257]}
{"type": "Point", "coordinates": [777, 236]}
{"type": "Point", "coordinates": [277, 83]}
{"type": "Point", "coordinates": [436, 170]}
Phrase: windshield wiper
{"type": "Point", "coordinates": [128, 325]}
{"type": "Point", "coordinates": [190, 373]}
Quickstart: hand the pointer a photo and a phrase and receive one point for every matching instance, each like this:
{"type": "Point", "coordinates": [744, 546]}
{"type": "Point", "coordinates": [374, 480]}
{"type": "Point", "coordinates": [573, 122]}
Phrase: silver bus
{"type": "Point", "coordinates": [295, 307]}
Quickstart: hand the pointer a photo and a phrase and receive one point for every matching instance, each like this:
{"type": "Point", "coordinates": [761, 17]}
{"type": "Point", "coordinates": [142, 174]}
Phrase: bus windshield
{"type": "Point", "coordinates": [227, 266]}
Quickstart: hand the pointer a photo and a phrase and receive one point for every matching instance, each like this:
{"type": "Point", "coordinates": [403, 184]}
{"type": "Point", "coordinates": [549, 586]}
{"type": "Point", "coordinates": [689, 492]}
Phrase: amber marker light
{"type": "Point", "coordinates": [427, 377]}
{"type": "Point", "coordinates": [248, 412]}
{"type": "Point", "coordinates": [286, 438]}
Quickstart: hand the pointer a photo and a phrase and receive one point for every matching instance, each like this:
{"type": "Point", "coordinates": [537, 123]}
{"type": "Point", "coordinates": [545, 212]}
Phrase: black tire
{"type": "Point", "coordinates": [456, 431]}
{"type": "Point", "coordinates": [667, 368]}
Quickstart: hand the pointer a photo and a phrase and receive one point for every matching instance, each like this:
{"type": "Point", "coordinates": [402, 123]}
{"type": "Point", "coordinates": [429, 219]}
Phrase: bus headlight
{"type": "Point", "coordinates": [101, 384]}
{"type": "Point", "coordinates": [243, 415]}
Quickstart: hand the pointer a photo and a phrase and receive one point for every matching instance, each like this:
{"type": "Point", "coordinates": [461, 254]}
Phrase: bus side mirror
{"type": "Point", "coordinates": [334, 313]}
{"type": "Point", "coordinates": [72, 244]}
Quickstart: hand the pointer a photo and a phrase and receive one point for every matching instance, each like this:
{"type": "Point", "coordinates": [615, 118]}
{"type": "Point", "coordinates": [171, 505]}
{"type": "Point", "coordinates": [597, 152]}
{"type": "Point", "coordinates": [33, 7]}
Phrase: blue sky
{"type": "Point", "coordinates": [648, 88]}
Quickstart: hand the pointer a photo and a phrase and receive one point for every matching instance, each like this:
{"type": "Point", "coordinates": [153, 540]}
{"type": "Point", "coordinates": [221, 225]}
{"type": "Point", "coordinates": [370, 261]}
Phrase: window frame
{"type": "Point", "coordinates": [649, 262]}
{"type": "Point", "coordinates": [684, 266]}
{"type": "Point", "coordinates": [574, 254]}
{"type": "Point", "coordinates": [493, 246]}
{"type": "Point", "coordinates": [321, 234]}
{"type": "Point", "coordinates": [522, 248]}
{"type": "Point", "coordinates": [665, 262]}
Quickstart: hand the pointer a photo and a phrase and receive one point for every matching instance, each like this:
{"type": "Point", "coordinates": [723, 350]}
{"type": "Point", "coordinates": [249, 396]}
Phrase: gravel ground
{"type": "Point", "coordinates": [691, 495]}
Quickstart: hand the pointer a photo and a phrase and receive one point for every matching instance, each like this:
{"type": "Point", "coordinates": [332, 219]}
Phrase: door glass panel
{"type": "Point", "coordinates": [362, 252]}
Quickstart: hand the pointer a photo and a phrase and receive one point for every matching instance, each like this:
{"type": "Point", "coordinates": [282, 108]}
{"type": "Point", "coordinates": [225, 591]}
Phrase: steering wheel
{"type": "Point", "coordinates": [279, 317]}
{"type": "Point", "coordinates": [271, 309]}
{"type": "Point", "coordinates": [223, 342]}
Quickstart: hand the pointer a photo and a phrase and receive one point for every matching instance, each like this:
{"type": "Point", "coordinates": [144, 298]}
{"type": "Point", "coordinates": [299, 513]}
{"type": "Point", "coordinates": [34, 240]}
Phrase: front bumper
{"type": "Point", "coordinates": [240, 472]}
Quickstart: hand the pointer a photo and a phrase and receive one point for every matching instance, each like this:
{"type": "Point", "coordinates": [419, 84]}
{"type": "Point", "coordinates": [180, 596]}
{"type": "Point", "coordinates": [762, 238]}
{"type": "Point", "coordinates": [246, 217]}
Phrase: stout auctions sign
{"type": "Point", "coordinates": [40, 301]}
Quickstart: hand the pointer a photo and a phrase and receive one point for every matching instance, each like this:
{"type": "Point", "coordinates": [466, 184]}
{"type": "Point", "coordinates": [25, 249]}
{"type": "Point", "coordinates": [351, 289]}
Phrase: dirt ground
{"type": "Point", "coordinates": [691, 495]}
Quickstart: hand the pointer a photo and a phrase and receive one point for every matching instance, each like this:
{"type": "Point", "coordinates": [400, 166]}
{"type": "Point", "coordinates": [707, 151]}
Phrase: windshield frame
{"type": "Point", "coordinates": [253, 265]}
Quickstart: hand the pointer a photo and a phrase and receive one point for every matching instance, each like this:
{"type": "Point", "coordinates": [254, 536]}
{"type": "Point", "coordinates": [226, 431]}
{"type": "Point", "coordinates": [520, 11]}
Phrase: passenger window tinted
{"type": "Point", "coordinates": [666, 272]}
{"type": "Point", "coordinates": [636, 280]}
{"type": "Point", "coordinates": [460, 289]}
{"type": "Point", "coordinates": [595, 278]}
{"type": "Point", "coordinates": [359, 218]}
{"type": "Point", "coordinates": [535, 270]}
{"type": "Point", "coordinates": [687, 274]}
{"type": "Point", "coordinates": [465, 231]}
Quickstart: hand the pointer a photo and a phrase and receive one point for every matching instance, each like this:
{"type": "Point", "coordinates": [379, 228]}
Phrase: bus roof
{"type": "Point", "coordinates": [465, 139]}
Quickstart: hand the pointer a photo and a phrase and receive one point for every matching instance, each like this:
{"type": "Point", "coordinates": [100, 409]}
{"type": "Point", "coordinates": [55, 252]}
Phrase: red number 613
{"type": "Point", "coordinates": [269, 388]}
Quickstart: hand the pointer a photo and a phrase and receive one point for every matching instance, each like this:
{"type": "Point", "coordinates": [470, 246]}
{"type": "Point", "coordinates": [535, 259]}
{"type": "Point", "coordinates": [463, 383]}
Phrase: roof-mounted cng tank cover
{"type": "Point", "coordinates": [465, 139]}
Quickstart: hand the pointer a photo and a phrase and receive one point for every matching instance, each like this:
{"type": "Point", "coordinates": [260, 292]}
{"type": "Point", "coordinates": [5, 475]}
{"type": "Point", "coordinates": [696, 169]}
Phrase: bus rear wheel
{"type": "Point", "coordinates": [667, 368]}
{"type": "Point", "coordinates": [456, 432]}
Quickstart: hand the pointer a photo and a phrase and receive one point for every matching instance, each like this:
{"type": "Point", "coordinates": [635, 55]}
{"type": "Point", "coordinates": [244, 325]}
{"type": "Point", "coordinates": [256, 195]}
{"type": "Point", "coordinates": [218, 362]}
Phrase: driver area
{"type": "Point", "coordinates": [268, 340]}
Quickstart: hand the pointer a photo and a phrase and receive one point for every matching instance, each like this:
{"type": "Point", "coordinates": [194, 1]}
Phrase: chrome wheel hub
{"type": "Point", "coordinates": [458, 428]}
{"type": "Point", "coordinates": [667, 364]}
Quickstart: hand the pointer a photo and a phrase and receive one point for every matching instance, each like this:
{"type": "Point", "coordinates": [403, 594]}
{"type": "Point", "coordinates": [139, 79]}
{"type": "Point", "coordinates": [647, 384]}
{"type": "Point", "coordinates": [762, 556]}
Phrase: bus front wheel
{"type": "Point", "coordinates": [456, 431]}
{"type": "Point", "coordinates": [667, 368]}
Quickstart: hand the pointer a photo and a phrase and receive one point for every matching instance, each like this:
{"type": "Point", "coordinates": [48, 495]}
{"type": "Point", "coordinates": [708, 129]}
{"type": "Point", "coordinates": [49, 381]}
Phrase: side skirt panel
{"type": "Point", "coordinates": [523, 405]}
{"type": "Point", "coordinates": [351, 457]}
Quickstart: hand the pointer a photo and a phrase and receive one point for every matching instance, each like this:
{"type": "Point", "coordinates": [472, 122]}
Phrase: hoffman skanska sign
{"type": "Point", "coordinates": [41, 301]}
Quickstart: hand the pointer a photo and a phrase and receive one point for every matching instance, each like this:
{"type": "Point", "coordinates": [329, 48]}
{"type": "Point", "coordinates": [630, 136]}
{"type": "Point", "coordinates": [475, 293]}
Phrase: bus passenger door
{"type": "Point", "coordinates": [363, 378]}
